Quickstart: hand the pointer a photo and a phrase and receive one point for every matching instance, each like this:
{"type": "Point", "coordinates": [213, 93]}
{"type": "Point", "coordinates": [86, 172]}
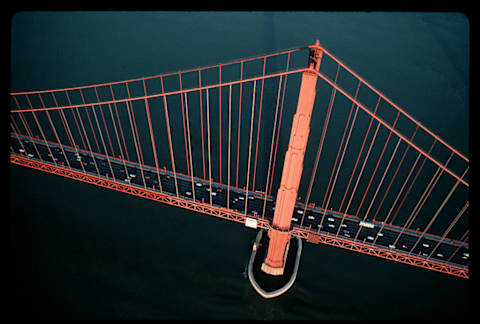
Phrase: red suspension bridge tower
{"type": "Point", "coordinates": [86, 133]}
{"type": "Point", "coordinates": [279, 233]}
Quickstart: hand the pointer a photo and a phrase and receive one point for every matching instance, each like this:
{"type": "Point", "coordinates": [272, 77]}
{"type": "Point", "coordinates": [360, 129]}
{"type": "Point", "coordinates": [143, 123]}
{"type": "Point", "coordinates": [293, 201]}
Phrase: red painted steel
{"type": "Point", "coordinates": [137, 191]}
{"type": "Point", "coordinates": [239, 61]}
{"type": "Point", "coordinates": [278, 132]}
{"type": "Point", "coordinates": [163, 94]}
{"type": "Point", "coordinates": [416, 147]}
{"type": "Point", "coordinates": [258, 128]}
{"type": "Point", "coordinates": [381, 252]}
{"type": "Point", "coordinates": [292, 169]}
{"type": "Point", "coordinates": [239, 120]}
{"type": "Point", "coordinates": [281, 230]}
{"type": "Point", "coordinates": [393, 104]}
{"type": "Point", "coordinates": [228, 214]}
{"type": "Point", "coordinates": [303, 206]}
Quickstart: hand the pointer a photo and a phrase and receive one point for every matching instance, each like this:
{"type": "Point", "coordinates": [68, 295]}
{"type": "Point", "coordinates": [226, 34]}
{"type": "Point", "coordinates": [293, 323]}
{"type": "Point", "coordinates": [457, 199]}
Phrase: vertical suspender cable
{"type": "Point", "coordinates": [358, 157]}
{"type": "Point", "coordinates": [62, 118]}
{"type": "Point", "coordinates": [118, 140]}
{"type": "Point", "coordinates": [88, 142]}
{"type": "Point", "coordinates": [339, 165]}
{"type": "Point", "coordinates": [220, 122]}
{"type": "Point", "coordinates": [411, 184]}
{"type": "Point", "coordinates": [391, 181]}
{"type": "Point", "coordinates": [41, 131]}
{"type": "Point", "coordinates": [250, 144]}
{"type": "Point", "coordinates": [100, 132]}
{"type": "Point", "coordinates": [424, 197]}
{"type": "Point", "coordinates": [380, 184]}
{"type": "Point", "coordinates": [104, 123]}
{"type": "Point", "coordinates": [27, 128]}
{"type": "Point", "coordinates": [201, 121]}
{"type": "Point", "coordinates": [258, 126]}
{"type": "Point", "coordinates": [189, 146]}
{"type": "Point", "coordinates": [90, 121]}
{"type": "Point", "coordinates": [403, 187]}
{"type": "Point", "coordinates": [16, 131]}
{"type": "Point", "coordinates": [209, 155]}
{"type": "Point", "coordinates": [426, 193]}
{"type": "Point", "coordinates": [394, 175]}
{"type": "Point", "coordinates": [136, 139]}
{"type": "Point", "coordinates": [378, 188]}
{"type": "Point", "coordinates": [239, 120]}
{"type": "Point", "coordinates": [128, 107]}
{"type": "Point", "coordinates": [167, 122]}
{"type": "Point", "coordinates": [444, 235]}
{"type": "Point", "coordinates": [154, 148]}
{"type": "Point", "coordinates": [101, 138]}
{"type": "Point", "coordinates": [183, 121]}
{"type": "Point", "coordinates": [320, 146]}
{"type": "Point", "coordinates": [229, 139]}
{"type": "Point", "coordinates": [438, 211]}
{"type": "Point", "coordinates": [119, 124]}
{"type": "Point", "coordinates": [271, 146]}
{"type": "Point", "coordinates": [383, 177]}
{"type": "Point", "coordinates": [362, 169]}
{"type": "Point", "coordinates": [75, 119]}
{"type": "Point", "coordinates": [464, 238]}
{"type": "Point", "coordinates": [339, 150]}
{"type": "Point", "coordinates": [343, 154]}
{"type": "Point", "coordinates": [279, 126]}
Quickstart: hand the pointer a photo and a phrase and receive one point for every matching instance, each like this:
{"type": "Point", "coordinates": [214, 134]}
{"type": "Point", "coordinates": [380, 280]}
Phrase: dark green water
{"type": "Point", "coordinates": [79, 251]}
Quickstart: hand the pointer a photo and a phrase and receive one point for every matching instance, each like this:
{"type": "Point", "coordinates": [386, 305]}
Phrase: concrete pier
{"type": "Point", "coordinates": [270, 286]}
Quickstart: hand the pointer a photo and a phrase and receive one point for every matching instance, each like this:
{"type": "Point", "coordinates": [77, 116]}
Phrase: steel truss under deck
{"type": "Point", "coordinates": [221, 212]}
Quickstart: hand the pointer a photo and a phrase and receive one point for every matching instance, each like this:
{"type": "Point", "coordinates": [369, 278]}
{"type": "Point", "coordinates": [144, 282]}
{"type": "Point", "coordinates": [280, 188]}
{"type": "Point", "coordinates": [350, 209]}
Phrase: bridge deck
{"type": "Point", "coordinates": [315, 219]}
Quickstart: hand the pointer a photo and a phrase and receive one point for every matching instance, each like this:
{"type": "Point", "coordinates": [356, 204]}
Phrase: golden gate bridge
{"type": "Point", "coordinates": [366, 177]}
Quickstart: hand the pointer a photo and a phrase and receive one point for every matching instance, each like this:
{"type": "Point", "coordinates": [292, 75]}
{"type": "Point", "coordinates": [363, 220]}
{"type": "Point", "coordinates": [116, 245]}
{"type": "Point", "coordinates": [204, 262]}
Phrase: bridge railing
{"type": "Point", "coordinates": [229, 124]}
{"type": "Point", "coordinates": [374, 161]}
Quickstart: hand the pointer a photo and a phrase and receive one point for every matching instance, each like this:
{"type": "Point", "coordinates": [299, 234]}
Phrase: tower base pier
{"type": "Point", "coordinates": [268, 285]}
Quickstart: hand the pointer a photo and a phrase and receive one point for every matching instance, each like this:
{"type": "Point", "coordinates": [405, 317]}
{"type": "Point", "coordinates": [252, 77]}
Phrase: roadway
{"type": "Point", "coordinates": [202, 190]}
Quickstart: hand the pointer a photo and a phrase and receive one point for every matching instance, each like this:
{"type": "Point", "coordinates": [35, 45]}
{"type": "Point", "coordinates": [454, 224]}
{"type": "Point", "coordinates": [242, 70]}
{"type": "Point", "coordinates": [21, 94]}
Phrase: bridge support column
{"type": "Point", "coordinates": [279, 233]}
